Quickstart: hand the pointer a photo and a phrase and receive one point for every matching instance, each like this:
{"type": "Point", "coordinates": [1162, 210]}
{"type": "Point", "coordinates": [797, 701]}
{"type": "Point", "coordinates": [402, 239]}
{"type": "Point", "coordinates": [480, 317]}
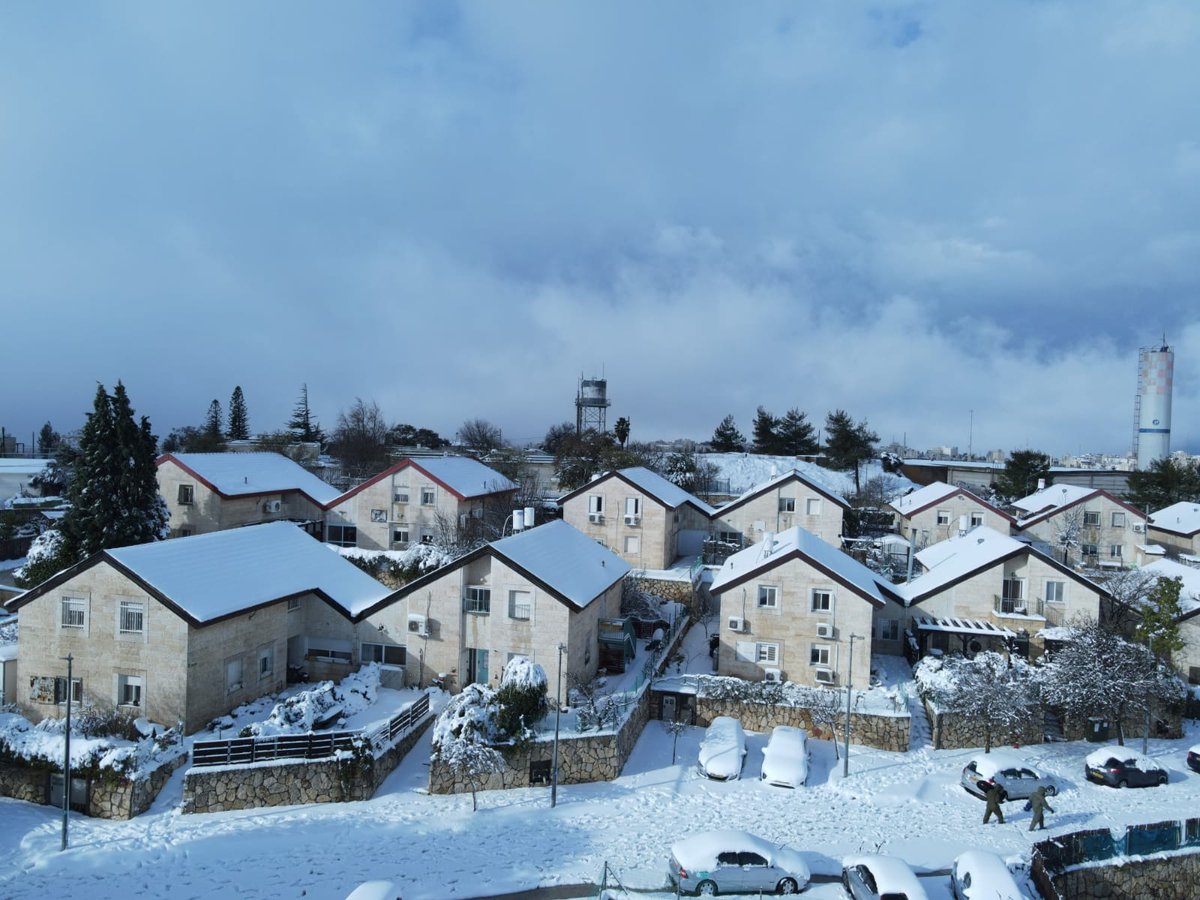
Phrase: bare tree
{"type": "Point", "coordinates": [480, 436]}
{"type": "Point", "coordinates": [360, 439]}
{"type": "Point", "coordinates": [1068, 531]}
{"type": "Point", "coordinates": [997, 693]}
{"type": "Point", "coordinates": [1128, 587]}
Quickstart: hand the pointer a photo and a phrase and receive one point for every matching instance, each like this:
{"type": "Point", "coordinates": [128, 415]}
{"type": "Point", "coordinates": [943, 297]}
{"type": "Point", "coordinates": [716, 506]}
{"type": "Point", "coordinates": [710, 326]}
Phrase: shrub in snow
{"type": "Point", "coordinates": [399, 566]}
{"type": "Point", "coordinates": [463, 734]}
{"type": "Point", "coordinates": [998, 693]}
{"type": "Point", "coordinates": [43, 559]}
{"type": "Point", "coordinates": [521, 699]}
{"type": "Point", "coordinates": [303, 711]}
{"type": "Point", "coordinates": [105, 756]}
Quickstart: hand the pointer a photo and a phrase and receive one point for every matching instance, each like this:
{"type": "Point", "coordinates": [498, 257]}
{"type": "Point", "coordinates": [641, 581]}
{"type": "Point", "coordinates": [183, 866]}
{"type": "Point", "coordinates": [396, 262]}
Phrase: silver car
{"type": "Point", "coordinates": [734, 862]}
{"type": "Point", "coordinates": [1016, 778]}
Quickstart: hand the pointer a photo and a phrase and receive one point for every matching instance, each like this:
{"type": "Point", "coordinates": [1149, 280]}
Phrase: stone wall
{"type": "Point", "coordinates": [107, 798]}
{"type": "Point", "coordinates": [952, 731]}
{"type": "Point", "coordinates": [1172, 877]}
{"type": "Point", "coordinates": [878, 731]}
{"type": "Point", "coordinates": [23, 783]}
{"type": "Point", "coordinates": [1164, 725]}
{"type": "Point", "coordinates": [670, 589]}
{"type": "Point", "coordinates": [291, 782]}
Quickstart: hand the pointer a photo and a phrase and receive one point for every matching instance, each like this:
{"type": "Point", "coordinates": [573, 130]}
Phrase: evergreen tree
{"type": "Point", "coordinates": [1166, 482]}
{"type": "Point", "coordinates": [766, 440]}
{"type": "Point", "coordinates": [726, 437]}
{"type": "Point", "coordinates": [239, 425]}
{"type": "Point", "coordinates": [303, 426]}
{"type": "Point", "coordinates": [48, 440]}
{"type": "Point", "coordinates": [621, 430]}
{"type": "Point", "coordinates": [114, 495]}
{"type": "Point", "coordinates": [848, 443]}
{"type": "Point", "coordinates": [1159, 627]}
{"type": "Point", "coordinates": [1021, 472]}
{"type": "Point", "coordinates": [796, 434]}
{"type": "Point", "coordinates": [212, 422]}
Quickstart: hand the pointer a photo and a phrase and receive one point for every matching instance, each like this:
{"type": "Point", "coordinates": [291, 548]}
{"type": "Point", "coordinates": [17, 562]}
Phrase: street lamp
{"type": "Point", "coordinates": [67, 755]}
{"type": "Point", "coordinates": [557, 716]}
{"type": "Point", "coordinates": [849, 683]}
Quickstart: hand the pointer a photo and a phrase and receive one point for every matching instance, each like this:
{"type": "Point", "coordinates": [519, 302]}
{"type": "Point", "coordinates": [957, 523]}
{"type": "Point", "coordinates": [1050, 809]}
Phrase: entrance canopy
{"type": "Point", "coordinates": [962, 626]}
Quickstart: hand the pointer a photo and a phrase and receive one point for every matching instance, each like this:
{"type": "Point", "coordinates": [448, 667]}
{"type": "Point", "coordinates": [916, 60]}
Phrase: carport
{"type": "Point", "coordinates": [955, 635]}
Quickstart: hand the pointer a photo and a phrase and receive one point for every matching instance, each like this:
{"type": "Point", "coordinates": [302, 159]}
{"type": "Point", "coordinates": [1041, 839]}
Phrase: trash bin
{"type": "Point", "coordinates": [1097, 730]}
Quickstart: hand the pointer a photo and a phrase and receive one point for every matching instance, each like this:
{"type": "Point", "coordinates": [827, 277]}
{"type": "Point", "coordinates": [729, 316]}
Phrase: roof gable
{"type": "Point", "coordinates": [653, 485]}
{"type": "Point", "coordinates": [248, 474]}
{"type": "Point", "coordinates": [1050, 501]}
{"type": "Point", "coordinates": [462, 476]}
{"type": "Point", "coordinates": [939, 492]}
{"type": "Point", "coordinates": [794, 475]}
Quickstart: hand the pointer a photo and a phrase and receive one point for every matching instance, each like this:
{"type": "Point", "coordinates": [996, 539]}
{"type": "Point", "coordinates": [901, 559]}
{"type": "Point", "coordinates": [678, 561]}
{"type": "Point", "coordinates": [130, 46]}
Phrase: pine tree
{"type": "Point", "coordinates": [1166, 482]}
{"type": "Point", "coordinates": [48, 440]}
{"type": "Point", "coordinates": [726, 437]}
{"type": "Point", "coordinates": [239, 425]}
{"type": "Point", "coordinates": [848, 443]}
{"type": "Point", "coordinates": [114, 495]}
{"type": "Point", "coordinates": [766, 440]}
{"type": "Point", "coordinates": [1159, 627]}
{"type": "Point", "coordinates": [796, 434]}
{"type": "Point", "coordinates": [303, 426]}
{"type": "Point", "coordinates": [1022, 470]}
{"type": "Point", "coordinates": [212, 422]}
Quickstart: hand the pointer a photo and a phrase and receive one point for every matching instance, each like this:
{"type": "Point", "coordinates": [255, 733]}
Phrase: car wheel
{"type": "Point", "coordinates": [1051, 790]}
{"type": "Point", "coordinates": [1123, 783]}
{"type": "Point", "coordinates": [706, 889]}
{"type": "Point", "coordinates": [1162, 779]}
{"type": "Point", "coordinates": [788, 886]}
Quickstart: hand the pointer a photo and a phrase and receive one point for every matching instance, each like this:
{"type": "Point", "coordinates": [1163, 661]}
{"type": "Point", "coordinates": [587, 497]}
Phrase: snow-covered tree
{"type": "Point", "coordinates": [1129, 588]}
{"type": "Point", "coordinates": [1068, 531]}
{"type": "Point", "coordinates": [1159, 627]}
{"type": "Point", "coordinates": [726, 438]}
{"type": "Point", "coordinates": [239, 423]}
{"type": "Point", "coordinates": [998, 693]}
{"type": "Point", "coordinates": [521, 699]}
{"type": "Point", "coordinates": [44, 559]}
{"type": "Point", "coordinates": [303, 425]}
{"type": "Point", "coordinates": [463, 736]}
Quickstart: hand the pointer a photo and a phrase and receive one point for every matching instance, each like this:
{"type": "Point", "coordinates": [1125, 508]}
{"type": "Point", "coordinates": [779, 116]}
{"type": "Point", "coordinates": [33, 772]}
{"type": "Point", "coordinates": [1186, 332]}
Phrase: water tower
{"type": "Point", "coordinates": [591, 405]}
{"type": "Point", "coordinates": [1152, 406]}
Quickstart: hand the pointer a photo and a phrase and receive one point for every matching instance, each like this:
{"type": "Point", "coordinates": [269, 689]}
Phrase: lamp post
{"type": "Point", "coordinates": [557, 716]}
{"type": "Point", "coordinates": [849, 684]}
{"type": "Point", "coordinates": [67, 755]}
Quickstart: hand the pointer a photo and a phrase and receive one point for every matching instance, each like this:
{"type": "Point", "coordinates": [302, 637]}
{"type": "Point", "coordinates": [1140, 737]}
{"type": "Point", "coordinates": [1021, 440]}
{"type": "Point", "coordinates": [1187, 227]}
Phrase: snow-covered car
{"type": "Point", "coordinates": [874, 877]}
{"type": "Point", "coordinates": [1122, 767]}
{"type": "Point", "coordinates": [1193, 758]}
{"type": "Point", "coordinates": [785, 758]}
{"type": "Point", "coordinates": [978, 874]}
{"type": "Point", "coordinates": [1016, 778]}
{"type": "Point", "coordinates": [375, 890]}
{"type": "Point", "coordinates": [735, 862]}
{"type": "Point", "coordinates": [723, 749]}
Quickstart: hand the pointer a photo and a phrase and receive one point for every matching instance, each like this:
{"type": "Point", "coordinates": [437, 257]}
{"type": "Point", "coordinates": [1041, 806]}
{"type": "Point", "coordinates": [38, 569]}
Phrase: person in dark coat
{"type": "Point", "coordinates": [1037, 803]}
{"type": "Point", "coordinates": [993, 804]}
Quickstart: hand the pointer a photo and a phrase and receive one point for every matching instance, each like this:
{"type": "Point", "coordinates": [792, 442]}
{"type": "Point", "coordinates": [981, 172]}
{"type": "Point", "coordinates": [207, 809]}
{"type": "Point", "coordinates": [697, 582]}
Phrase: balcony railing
{"type": "Point", "coordinates": [1011, 606]}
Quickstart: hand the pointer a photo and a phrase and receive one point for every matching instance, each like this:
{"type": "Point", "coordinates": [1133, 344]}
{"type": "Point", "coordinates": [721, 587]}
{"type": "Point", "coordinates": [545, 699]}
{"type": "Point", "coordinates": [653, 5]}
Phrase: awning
{"type": "Point", "coordinates": [962, 626]}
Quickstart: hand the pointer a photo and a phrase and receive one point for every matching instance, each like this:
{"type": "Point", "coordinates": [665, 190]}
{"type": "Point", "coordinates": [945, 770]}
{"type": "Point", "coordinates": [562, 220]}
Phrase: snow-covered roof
{"type": "Point", "coordinates": [19, 465]}
{"type": "Point", "coordinates": [958, 557]}
{"type": "Point", "coordinates": [669, 493]}
{"type": "Point", "coordinates": [1189, 593]}
{"type": "Point", "coordinates": [210, 576]}
{"type": "Point", "coordinates": [564, 559]}
{"type": "Point", "coordinates": [937, 492]}
{"type": "Point", "coordinates": [796, 542]}
{"type": "Point", "coordinates": [238, 474]}
{"type": "Point", "coordinates": [461, 475]}
{"type": "Point", "coordinates": [790, 475]}
{"type": "Point", "coordinates": [1052, 497]}
{"type": "Point", "coordinates": [1181, 518]}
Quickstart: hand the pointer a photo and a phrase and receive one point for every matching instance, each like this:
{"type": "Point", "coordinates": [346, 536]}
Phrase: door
{"type": "Point", "coordinates": [668, 708]}
{"type": "Point", "coordinates": [477, 666]}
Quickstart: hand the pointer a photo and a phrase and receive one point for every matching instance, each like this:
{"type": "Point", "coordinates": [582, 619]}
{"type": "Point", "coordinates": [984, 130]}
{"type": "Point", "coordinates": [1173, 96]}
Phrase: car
{"type": "Point", "coordinates": [728, 861]}
{"type": "Point", "coordinates": [873, 877]}
{"type": "Point", "coordinates": [723, 749]}
{"type": "Point", "coordinates": [977, 874]}
{"type": "Point", "coordinates": [375, 890]}
{"type": "Point", "coordinates": [785, 758]}
{"type": "Point", "coordinates": [1193, 758]}
{"type": "Point", "coordinates": [1016, 778]}
{"type": "Point", "coordinates": [1122, 767]}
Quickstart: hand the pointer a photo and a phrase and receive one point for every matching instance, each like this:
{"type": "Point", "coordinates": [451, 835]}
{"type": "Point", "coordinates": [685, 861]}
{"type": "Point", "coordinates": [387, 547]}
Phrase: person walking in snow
{"type": "Point", "coordinates": [1037, 803]}
{"type": "Point", "coordinates": [993, 805]}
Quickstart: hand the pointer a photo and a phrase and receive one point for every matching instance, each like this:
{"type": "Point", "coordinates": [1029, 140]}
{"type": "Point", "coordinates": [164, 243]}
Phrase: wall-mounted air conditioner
{"type": "Point", "coordinates": [595, 518]}
{"type": "Point", "coordinates": [633, 520]}
{"type": "Point", "coordinates": [824, 630]}
{"type": "Point", "coordinates": [1138, 528]}
{"type": "Point", "coordinates": [418, 624]}
{"type": "Point", "coordinates": [737, 623]}
{"type": "Point", "coordinates": [825, 675]}
{"type": "Point", "coordinates": [773, 676]}
{"type": "Point", "coordinates": [273, 506]}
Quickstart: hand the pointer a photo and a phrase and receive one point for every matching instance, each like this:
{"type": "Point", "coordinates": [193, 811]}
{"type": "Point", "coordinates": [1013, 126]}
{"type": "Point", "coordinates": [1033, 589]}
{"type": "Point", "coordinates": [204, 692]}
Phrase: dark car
{"type": "Point", "coordinates": [1193, 758]}
{"type": "Point", "coordinates": [1121, 767]}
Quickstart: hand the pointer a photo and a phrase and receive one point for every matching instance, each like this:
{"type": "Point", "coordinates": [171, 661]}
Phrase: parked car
{"type": "Point", "coordinates": [785, 758]}
{"type": "Point", "coordinates": [723, 749]}
{"type": "Point", "coordinates": [735, 862]}
{"type": "Point", "coordinates": [1193, 758]}
{"type": "Point", "coordinates": [978, 874]}
{"type": "Point", "coordinates": [875, 877]}
{"type": "Point", "coordinates": [1016, 778]}
{"type": "Point", "coordinates": [375, 890]}
{"type": "Point", "coordinates": [1122, 767]}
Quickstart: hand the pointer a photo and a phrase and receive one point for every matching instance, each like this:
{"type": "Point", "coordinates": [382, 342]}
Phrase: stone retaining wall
{"type": "Point", "coordinates": [23, 783]}
{"type": "Point", "coordinates": [107, 798]}
{"type": "Point", "coordinates": [1080, 729]}
{"type": "Point", "coordinates": [952, 731]}
{"type": "Point", "coordinates": [878, 731]}
{"type": "Point", "coordinates": [1172, 877]}
{"type": "Point", "coordinates": [292, 782]}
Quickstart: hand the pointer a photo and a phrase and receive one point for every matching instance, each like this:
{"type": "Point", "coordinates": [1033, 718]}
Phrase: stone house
{"type": "Point", "coordinates": [1095, 527]}
{"type": "Point", "coordinates": [1177, 527]}
{"type": "Point", "coordinates": [939, 511]}
{"type": "Point", "coordinates": [1187, 660]}
{"type": "Point", "coordinates": [775, 506]}
{"type": "Point", "coordinates": [523, 595]}
{"type": "Point", "coordinates": [208, 492]}
{"type": "Point", "coordinates": [187, 629]}
{"type": "Point", "coordinates": [639, 515]}
{"type": "Point", "coordinates": [417, 500]}
{"type": "Point", "coordinates": [985, 590]}
{"type": "Point", "coordinates": [789, 607]}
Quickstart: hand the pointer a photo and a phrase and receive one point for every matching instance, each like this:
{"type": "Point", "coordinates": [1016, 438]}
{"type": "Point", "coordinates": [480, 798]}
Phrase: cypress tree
{"type": "Point", "coordinates": [239, 425]}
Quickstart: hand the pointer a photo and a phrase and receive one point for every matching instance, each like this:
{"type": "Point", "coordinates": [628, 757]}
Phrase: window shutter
{"type": "Point", "coordinates": [747, 651]}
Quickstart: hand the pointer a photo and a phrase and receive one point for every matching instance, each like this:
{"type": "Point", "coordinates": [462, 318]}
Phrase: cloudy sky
{"type": "Point", "coordinates": [958, 221]}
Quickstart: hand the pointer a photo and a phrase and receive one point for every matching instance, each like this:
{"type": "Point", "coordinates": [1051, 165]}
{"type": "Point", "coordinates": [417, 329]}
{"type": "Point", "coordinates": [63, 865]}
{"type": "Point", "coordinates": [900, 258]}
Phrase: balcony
{"type": "Point", "coordinates": [1016, 606]}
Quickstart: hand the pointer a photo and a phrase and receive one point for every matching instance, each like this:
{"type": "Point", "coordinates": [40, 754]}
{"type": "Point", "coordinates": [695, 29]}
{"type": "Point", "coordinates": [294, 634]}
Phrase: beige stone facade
{"type": "Point", "coordinates": [1102, 530]}
{"type": "Point", "coordinates": [777, 506]}
{"type": "Point", "coordinates": [945, 518]}
{"type": "Point", "coordinates": [1174, 541]}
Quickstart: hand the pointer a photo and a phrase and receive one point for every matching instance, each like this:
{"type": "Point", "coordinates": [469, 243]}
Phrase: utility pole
{"type": "Point", "coordinates": [849, 684]}
{"type": "Point", "coordinates": [557, 716]}
{"type": "Point", "coordinates": [67, 756]}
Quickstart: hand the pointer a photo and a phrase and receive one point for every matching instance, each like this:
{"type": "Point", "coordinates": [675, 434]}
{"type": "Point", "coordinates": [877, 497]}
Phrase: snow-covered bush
{"type": "Point", "coordinates": [463, 735]}
{"type": "Point", "coordinates": [41, 746]}
{"type": "Point", "coordinates": [398, 567]}
{"type": "Point", "coordinates": [301, 712]}
{"type": "Point", "coordinates": [521, 699]}
{"type": "Point", "coordinates": [999, 693]}
{"type": "Point", "coordinates": [42, 560]}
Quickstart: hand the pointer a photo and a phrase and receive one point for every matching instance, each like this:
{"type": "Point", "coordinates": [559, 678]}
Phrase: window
{"type": "Point", "coordinates": [233, 675]}
{"type": "Point", "coordinates": [400, 537]}
{"type": "Point", "coordinates": [812, 506]}
{"type": "Point", "coordinates": [400, 493]}
{"type": "Point", "coordinates": [184, 532]}
{"type": "Point", "coordinates": [1089, 550]}
{"type": "Point", "coordinates": [820, 654]}
{"type": "Point", "coordinates": [426, 536]}
{"type": "Point", "coordinates": [943, 517]}
{"type": "Point", "coordinates": [633, 544]}
{"type": "Point", "coordinates": [329, 650]}
{"type": "Point", "coordinates": [384, 654]}
{"type": "Point", "coordinates": [976, 519]}
{"type": "Point", "coordinates": [1118, 520]}
{"type": "Point", "coordinates": [1091, 519]}
{"type": "Point", "coordinates": [889, 629]}
{"type": "Point", "coordinates": [266, 661]}
{"type": "Point", "coordinates": [1055, 591]}
{"type": "Point", "coordinates": [767, 653]}
{"type": "Point", "coordinates": [60, 690]}
{"type": "Point", "coordinates": [478, 600]}
{"type": "Point", "coordinates": [520, 605]}
{"type": "Point", "coordinates": [633, 506]}
{"type": "Point", "coordinates": [822, 601]}
{"type": "Point", "coordinates": [595, 505]}
{"type": "Point", "coordinates": [186, 495]}
{"type": "Point", "coordinates": [787, 504]}
{"type": "Point", "coordinates": [1114, 551]}
{"type": "Point", "coordinates": [294, 604]}
{"type": "Point", "coordinates": [132, 617]}
{"type": "Point", "coordinates": [730, 537]}
{"type": "Point", "coordinates": [341, 535]}
{"type": "Point", "coordinates": [53, 689]}
{"type": "Point", "coordinates": [129, 690]}
{"type": "Point", "coordinates": [74, 612]}
{"type": "Point", "coordinates": [768, 596]}
{"type": "Point", "coordinates": [379, 515]}
{"type": "Point", "coordinates": [427, 496]}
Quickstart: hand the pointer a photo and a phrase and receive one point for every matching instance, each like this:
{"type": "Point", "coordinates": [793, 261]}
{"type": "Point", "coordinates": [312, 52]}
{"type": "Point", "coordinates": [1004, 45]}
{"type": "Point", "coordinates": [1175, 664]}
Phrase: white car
{"type": "Point", "coordinates": [785, 758]}
{"type": "Point", "coordinates": [873, 877]}
{"type": "Point", "coordinates": [977, 874]}
{"type": "Point", "coordinates": [735, 862]}
{"type": "Point", "coordinates": [1017, 778]}
{"type": "Point", "coordinates": [723, 749]}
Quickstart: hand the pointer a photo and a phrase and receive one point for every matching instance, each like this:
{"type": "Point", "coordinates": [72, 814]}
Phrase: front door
{"type": "Point", "coordinates": [477, 666]}
{"type": "Point", "coordinates": [668, 708]}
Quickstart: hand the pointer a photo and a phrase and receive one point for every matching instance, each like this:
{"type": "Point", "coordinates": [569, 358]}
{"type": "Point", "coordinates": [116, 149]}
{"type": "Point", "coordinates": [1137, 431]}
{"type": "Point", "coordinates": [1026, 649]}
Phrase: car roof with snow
{"type": "Point", "coordinates": [990, 875]}
{"type": "Point", "coordinates": [988, 764]}
{"type": "Point", "coordinates": [892, 875]}
{"type": "Point", "coordinates": [1102, 755]}
{"type": "Point", "coordinates": [700, 851]}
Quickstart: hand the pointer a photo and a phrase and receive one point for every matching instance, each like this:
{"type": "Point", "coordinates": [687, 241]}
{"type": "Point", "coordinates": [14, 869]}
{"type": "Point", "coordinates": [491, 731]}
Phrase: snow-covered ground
{"type": "Point", "coordinates": [906, 804]}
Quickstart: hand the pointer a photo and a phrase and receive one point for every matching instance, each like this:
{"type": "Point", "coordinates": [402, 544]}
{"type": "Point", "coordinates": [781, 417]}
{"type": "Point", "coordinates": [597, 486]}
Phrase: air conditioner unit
{"type": "Point", "coordinates": [774, 676]}
{"type": "Point", "coordinates": [825, 676]}
{"type": "Point", "coordinates": [1138, 528]}
{"type": "Point", "coordinates": [633, 520]}
{"type": "Point", "coordinates": [737, 623]}
{"type": "Point", "coordinates": [418, 624]}
{"type": "Point", "coordinates": [595, 518]}
{"type": "Point", "coordinates": [273, 506]}
{"type": "Point", "coordinates": [824, 630]}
